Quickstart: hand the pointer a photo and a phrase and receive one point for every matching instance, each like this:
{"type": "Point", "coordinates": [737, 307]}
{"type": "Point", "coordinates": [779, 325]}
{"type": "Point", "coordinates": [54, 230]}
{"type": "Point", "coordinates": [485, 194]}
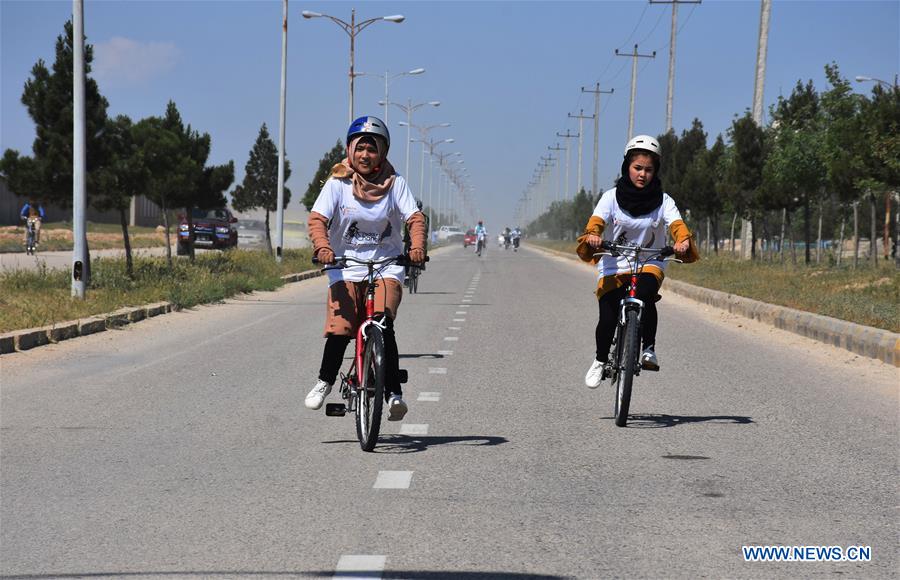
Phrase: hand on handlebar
{"type": "Point", "coordinates": [324, 256]}
{"type": "Point", "coordinates": [682, 246]}
{"type": "Point", "coordinates": [594, 241]}
{"type": "Point", "coordinates": [417, 255]}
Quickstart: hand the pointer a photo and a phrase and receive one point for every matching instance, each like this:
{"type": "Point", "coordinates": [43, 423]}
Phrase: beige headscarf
{"type": "Point", "coordinates": [374, 186]}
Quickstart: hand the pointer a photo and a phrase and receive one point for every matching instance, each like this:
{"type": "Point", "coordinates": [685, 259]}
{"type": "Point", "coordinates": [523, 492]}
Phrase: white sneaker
{"type": "Point", "coordinates": [396, 408]}
{"type": "Point", "coordinates": [317, 395]}
{"type": "Point", "coordinates": [594, 376]}
{"type": "Point", "coordinates": [649, 360]}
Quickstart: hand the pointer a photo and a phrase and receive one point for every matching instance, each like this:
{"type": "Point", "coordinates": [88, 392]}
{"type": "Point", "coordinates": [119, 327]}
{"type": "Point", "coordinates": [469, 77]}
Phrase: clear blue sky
{"type": "Point", "coordinates": [507, 73]}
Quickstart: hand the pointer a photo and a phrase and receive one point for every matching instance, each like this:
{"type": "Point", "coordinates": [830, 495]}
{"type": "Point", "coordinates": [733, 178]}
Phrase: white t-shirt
{"type": "Point", "coordinates": [365, 230]}
{"type": "Point", "coordinates": [648, 230]}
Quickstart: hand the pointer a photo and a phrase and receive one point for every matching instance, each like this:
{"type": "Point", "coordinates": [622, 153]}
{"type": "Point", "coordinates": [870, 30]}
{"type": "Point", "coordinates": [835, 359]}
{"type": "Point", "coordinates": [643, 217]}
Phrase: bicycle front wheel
{"type": "Point", "coordinates": [627, 359]}
{"type": "Point", "coordinates": [371, 392]}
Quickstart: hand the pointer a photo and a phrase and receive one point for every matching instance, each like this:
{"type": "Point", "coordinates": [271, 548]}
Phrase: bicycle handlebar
{"type": "Point", "coordinates": [341, 261]}
{"type": "Point", "coordinates": [618, 249]}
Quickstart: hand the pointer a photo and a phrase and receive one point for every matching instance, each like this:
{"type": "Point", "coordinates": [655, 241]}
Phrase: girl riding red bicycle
{"type": "Point", "coordinates": [360, 212]}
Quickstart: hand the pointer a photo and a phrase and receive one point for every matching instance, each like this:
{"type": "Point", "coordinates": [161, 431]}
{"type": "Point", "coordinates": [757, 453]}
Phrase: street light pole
{"type": "Point", "coordinates": [79, 156]}
{"type": "Point", "coordinates": [352, 29]}
{"type": "Point", "coordinates": [279, 215]}
{"type": "Point", "coordinates": [408, 109]}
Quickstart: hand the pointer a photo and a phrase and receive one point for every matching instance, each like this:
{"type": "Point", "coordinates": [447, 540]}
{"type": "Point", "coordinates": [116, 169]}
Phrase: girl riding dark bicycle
{"type": "Point", "coordinates": [636, 211]}
{"type": "Point", "coordinates": [360, 212]}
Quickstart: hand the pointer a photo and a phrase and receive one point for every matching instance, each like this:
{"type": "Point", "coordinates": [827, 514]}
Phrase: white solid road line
{"type": "Point", "coordinates": [393, 480]}
{"type": "Point", "coordinates": [445, 352]}
{"type": "Point", "coordinates": [429, 397]}
{"type": "Point", "coordinates": [360, 566]}
{"type": "Point", "coordinates": [414, 429]}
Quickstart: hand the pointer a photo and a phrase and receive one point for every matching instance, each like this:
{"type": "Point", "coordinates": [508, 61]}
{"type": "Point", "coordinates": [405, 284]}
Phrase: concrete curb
{"type": "Point", "coordinates": [867, 341]}
{"type": "Point", "coordinates": [26, 339]}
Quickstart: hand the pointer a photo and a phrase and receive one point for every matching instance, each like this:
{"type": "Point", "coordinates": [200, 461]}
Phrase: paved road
{"type": "Point", "coordinates": [179, 447]}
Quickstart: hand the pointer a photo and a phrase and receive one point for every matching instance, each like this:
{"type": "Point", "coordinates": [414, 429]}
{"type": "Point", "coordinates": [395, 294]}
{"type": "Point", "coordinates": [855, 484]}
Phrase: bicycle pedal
{"type": "Point", "coordinates": [404, 376]}
{"type": "Point", "coordinates": [335, 409]}
{"type": "Point", "coordinates": [649, 368]}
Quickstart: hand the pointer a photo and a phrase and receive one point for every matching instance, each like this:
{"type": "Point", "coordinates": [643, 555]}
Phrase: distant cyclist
{"type": "Point", "coordinates": [507, 237]}
{"type": "Point", "coordinates": [636, 211]}
{"type": "Point", "coordinates": [516, 235]}
{"type": "Point", "coordinates": [480, 237]}
{"type": "Point", "coordinates": [33, 213]}
{"type": "Point", "coordinates": [360, 212]}
{"type": "Point", "coordinates": [407, 239]}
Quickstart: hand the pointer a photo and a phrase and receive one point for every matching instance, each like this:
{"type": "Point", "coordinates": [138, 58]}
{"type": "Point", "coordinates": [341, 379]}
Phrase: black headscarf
{"type": "Point", "coordinates": [638, 202]}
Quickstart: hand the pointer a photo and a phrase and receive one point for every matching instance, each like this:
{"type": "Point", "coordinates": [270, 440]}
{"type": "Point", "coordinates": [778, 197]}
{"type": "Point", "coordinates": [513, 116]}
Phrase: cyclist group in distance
{"type": "Point", "coordinates": [365, 206]}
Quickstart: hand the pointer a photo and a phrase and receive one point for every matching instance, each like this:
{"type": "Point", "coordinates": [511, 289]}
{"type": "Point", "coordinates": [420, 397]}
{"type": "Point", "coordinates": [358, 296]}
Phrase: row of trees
{"type": "Point", "coordinates": [822, 155]}
{"type": "Point", "coordinates": [160, 157]}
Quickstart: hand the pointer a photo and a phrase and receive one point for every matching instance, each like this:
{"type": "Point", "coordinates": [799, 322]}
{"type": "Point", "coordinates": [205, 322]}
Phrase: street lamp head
{"type": "Point", "coordinates": [310, 14]}
{"type": "Point", "coordinates": [434, 103]}
{"type": "Point", "coordinates": [398, 18]}
{"type": "Point", "coordinates": [416, 71]}
{"type": "Point", "coordinates": [401, 123]}
{"type": "Point", "coordinates": [860, 78]}
{"type": "Point", "coordinates": [444, 125]}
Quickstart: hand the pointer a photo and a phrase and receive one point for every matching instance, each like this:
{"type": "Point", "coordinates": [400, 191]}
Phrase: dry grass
{"type": "Point", "coordinates": [32, 298]}
{"type": "Point", "coordinates": [100, 237]}
{"type": "Point", "coordinates": [867, 296]}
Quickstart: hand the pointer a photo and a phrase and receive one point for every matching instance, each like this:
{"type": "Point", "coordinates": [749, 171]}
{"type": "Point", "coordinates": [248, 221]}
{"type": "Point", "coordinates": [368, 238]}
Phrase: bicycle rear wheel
{"type": "Point", "coordinates": [414, 283]}
{"type": "Point", "coordinates": [627, 349]}
{"type": "Point", "coordinates": [371, 392]}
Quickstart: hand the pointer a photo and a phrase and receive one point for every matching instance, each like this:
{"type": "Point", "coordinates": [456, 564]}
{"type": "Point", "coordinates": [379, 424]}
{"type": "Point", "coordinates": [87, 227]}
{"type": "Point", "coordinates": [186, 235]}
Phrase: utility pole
{"type": "Point", "coordinates": [634, 56]}
{"type": "Point", "coordinates": [568, 135]}
{"type": "Point", "coordinates": [671, 86]}
{"type": "Point", "coordinates": [581, 117]}
{"type": "Point", "coordinates": [557, 149]}
{"type": "Point", "coordinates": [759, 83]}
{"type": "Point", "coordinates": [596, 92]}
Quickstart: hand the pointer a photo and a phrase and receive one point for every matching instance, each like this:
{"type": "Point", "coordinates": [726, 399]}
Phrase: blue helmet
{"type": "Point", "coordinates": [371, 126]}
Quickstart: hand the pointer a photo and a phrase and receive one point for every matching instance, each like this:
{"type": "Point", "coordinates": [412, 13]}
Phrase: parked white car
{"type": "Point", "coordinates": [449, 233]}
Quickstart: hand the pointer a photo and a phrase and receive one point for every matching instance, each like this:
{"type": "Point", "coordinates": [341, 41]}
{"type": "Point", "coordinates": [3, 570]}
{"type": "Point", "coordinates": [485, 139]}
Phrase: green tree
{"type": "Point", "coordinates": [744, 172]}
{"type": "Point", "coordinates": [335, 155]}
{"type": "Point", "coordinates": [844, 152]}
{"type": "Point", "coordinates": [48, 98]}
{"type": "Point", "coordinates": [121, 176]}
{"type": "Point", "coordinates": [260, 185]}
{"type": "Point", "coordinates": [792, 174]}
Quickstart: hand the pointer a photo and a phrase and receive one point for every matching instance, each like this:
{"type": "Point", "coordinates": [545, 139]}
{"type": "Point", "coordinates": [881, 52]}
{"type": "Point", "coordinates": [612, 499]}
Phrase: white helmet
{"type": "Point", "coordinates": [645, 143]}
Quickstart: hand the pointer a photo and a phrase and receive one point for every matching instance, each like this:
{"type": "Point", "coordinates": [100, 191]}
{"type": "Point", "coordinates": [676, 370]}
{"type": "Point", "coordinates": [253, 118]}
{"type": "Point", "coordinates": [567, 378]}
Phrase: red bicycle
{"type": "Point", "coordinates": [624, 356]}
{"type": "Point", "coordinates": [363, 386]}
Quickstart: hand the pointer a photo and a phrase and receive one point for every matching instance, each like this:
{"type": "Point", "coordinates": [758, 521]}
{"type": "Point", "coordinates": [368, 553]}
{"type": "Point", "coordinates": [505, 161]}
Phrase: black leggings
{"type": "Point", "coordinates": [647, 289]}
{"type": "Point", "coordinates": [336, 346]}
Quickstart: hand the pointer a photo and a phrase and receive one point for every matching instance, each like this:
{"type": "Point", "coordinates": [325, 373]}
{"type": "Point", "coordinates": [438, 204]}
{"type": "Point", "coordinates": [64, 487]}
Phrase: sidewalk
{"type": "Point", "coordinates": [876, 343]}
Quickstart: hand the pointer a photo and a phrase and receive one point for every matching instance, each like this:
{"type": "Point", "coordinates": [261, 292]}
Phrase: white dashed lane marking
{"type": "Point", "coordinates": [414, 429]}
{"type": "Point", "coordinates": [454, 328]}
{"type": "Point", "coordinates": [429, 397]}
{"type": "Point", "coordinates": [437, 371]}
{"type": "Point", "coordinates": [445, 352]}
{"type": "Point", "coordinates": [461, 312]}
{"type": "Point", "coordinates": [393, 480]}
{"type": "Point", "coordinates": [360, 566]}
{"type": "Point", "coordinates": [451, 338]}
{"type": "Point", "coordinates": [459, 320]}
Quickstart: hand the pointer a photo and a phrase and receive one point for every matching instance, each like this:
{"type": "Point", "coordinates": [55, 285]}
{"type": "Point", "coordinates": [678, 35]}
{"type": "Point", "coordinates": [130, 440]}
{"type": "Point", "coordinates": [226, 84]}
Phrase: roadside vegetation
{"type": "Point", "coordinates": [34, 298]}
{"type": "Point", "coordinates": [867, 296]}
